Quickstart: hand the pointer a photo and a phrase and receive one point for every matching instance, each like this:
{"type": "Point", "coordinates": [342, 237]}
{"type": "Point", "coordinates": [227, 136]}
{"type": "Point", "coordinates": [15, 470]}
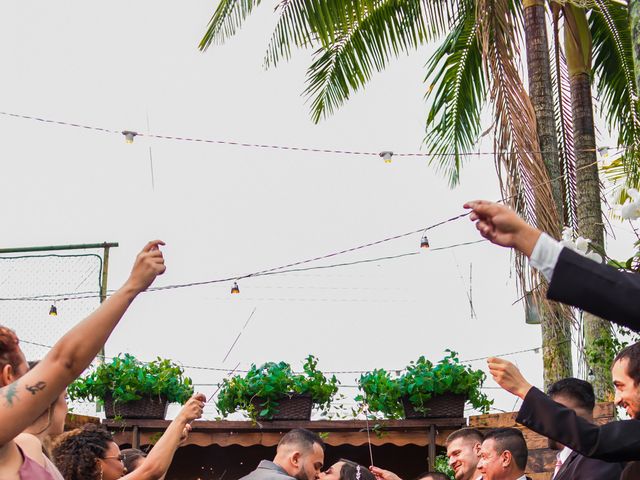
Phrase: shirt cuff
{"type": "Point", "coordinates": [545, 255]}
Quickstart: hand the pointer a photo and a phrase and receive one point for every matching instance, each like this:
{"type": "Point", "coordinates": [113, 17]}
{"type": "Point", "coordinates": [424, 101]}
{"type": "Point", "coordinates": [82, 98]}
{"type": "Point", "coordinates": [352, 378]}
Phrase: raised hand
{"type": "Point", "coordinates": [502, 226]}
{"type": "Point", "coordinates": [507, 375]}
{"type": "Point", "coordinates": [192, 410]}
{"type": "Point", "coordinates": [148, 265]}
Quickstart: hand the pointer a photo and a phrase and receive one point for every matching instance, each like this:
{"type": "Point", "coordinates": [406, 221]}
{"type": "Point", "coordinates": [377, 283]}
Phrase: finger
{"type": "Point", "coordinates": [152, 245]}
{"type": "Point", "coordinates": [473, 203]}
{"type": "Point", "coordinates": [200, 396]}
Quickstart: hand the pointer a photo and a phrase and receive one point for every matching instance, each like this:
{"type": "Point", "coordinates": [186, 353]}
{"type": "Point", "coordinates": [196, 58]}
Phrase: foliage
{"type": "Point", "coordinates": [127, 379]}
{"type": "Point", "coordinates": [442, 466]}
{"type": "Point", "coordinates": [271, 382]}
{"type": "Point", "coordinates": [421, 381]}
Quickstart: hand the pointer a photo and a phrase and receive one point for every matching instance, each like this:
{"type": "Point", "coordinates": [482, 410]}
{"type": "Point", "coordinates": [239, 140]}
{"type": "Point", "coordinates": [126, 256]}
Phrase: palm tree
{"type": "Point", "coordinates": [477, 62]}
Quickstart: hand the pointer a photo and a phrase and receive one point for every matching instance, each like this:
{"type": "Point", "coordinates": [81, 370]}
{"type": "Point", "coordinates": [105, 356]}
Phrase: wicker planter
{"type": "Point", "coordinates": [291, 407]}
{"type": "Point", "coordinates": [448, 405]}
{"type": "Point", "coordinates": [153, 407]}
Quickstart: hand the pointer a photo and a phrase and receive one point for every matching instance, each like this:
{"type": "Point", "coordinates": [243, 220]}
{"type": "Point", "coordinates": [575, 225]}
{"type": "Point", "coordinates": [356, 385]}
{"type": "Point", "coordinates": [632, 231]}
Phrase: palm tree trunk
{"type": "Point", "coordinates": [556, 328]}
{"type": "Point", "coordinates": [634, 19]}
{"type": "Point", "coordinates": [588, 207]}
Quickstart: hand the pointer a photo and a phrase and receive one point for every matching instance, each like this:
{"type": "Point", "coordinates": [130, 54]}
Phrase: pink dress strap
{"type": "Point", "coordinates": [32, 470]}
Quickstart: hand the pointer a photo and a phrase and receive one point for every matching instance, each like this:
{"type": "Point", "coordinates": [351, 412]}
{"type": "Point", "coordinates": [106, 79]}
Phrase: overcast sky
{"type": "Point", "coordinates": [225, 211]}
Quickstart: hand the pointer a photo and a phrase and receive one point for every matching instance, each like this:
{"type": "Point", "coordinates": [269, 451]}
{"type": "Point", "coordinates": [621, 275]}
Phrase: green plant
{"type": "Point", "coordinates": [271, 382]}
{"type": "Point", "coordinates": [442, 466]}
{"type": "Point", "coordinates": [421, 381]}
{"type": "Point", "coordinates": [127, 379]}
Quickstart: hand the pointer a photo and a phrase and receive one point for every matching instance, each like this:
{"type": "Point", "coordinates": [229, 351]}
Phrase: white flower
{"type": "Point", "coordinates": [567, 234]}
{"type": "Point", "coordinates": [633, 193]}
{"type": "Point", "coordinates": [594, 256]}
{"type": "Point", "coordinates": [582, 244]}
{"type": "Point", "coordinates": [630, 211]}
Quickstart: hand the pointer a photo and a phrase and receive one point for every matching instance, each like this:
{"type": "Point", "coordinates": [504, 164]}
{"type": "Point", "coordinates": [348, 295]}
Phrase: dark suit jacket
{"type": "Point", "coordinates": [579, 467]}
{"type": "Point", "coordinates": [597, 288]}
{"type": "Point", "coordinates": [612, 442]}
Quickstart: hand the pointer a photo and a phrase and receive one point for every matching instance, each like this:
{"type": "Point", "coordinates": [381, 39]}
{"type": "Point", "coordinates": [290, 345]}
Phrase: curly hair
{"type": "Point", "coordinates": [9, 348]}
{"type": "Point", "coordinates": [75, 453]}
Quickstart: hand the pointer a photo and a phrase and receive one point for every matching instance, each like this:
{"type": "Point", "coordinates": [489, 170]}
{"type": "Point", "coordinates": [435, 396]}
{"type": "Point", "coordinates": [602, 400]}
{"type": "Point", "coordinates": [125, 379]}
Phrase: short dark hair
{"type": "Point", "coordinates": [349, 471]}
{"type": "Point", "coordinates": [131, 457]}
{"type": "Point", "coordinates": [510, 439]}
{"type": "Point", "coordinates": [468, 433]}
{"type": "Point", "coordinates": [578, 390]}
{"type": "Point", "coordinates": [302, 438]}
{"type": "Point", "coordinates": [433, 475]}
{"type": "Point", "coordinates": [632, 354]}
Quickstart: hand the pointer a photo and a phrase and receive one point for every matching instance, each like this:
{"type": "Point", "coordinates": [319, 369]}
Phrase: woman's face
{"type": "Point", "coordinates": [111, 463]}
{"type": "Point", "coordinates": [333, 472]}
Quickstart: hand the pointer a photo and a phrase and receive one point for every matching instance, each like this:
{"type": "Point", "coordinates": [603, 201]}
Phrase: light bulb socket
{"type": "Point", "coordinates": [235, 289]}
{"type": "Point", "coordinates": [386, 155]}
{"type": "Point", "coordinates": [129, 135]}
{"type": "Point", "coordinates": [53, 311]}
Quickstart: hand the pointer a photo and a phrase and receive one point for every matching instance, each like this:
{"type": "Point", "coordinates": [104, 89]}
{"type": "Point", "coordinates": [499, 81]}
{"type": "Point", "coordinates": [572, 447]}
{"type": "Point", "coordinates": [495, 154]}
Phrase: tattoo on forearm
{"type": "Point", "coordinates": [9, 393]}
{"type": "Point", "coordinates": [38, 387]}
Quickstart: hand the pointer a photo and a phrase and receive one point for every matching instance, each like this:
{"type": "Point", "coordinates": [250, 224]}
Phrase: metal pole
{"type": "Point", "coordinates": [49, 248]}
{"type": "Point", "coordinates": [103, 287]}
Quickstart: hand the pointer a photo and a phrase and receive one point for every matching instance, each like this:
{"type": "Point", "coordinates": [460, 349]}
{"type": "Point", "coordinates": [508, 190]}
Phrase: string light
{"type": "Point", "coordinates": [53, 311]}
{"type": "Point", "coordinates": [386, 155]}
{"type": "Point", "coordinates": [424, 243]}
{"type": "Point", "coordinates": [129, 135]}
{"type": "Point", "coordinates": [235, 289]}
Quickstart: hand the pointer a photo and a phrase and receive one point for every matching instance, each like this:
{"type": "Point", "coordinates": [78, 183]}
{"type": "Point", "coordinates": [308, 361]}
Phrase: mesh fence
{"type": "Point", "coordinates": [32, 285]}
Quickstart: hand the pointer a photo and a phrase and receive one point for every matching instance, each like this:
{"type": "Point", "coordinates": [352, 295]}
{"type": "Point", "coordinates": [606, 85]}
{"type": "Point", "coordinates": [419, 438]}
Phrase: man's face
{"type": "Point", "coordinates": [463, 457]}
{"type": "Point", "coordinates": [627, 392]}
{"type": "Point", "coordinates": [572, 404]}
{"type": "Point", "coordinates": [492, 464]}
{"type": "Point", "coordinates": [310, 463]}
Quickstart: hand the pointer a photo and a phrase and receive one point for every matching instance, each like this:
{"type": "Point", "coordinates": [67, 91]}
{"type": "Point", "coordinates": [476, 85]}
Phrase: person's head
{"type": "Point", "coordinates": [88, 453]}
{"type": "Point", "coordinates": [503, 454]}
{"type": "Point", "coordinates": [346, 470]}
{"type": "Point", "coordinates": [432, 476]}
{"type": "Point", "coordinates": [463, 451]}
{"type": "Point", "coordinates": [13, 363]}
{"type": "Point", "coordinates": [575, 394]}
{"type": "Point", "coordinates": [300, 453]}
{"type": "Point", "coordinates": [626, 379]}
{"type": "Point", "coordinates": [133, 458]}
{"type": "Point", "coordinates": [51, 422]}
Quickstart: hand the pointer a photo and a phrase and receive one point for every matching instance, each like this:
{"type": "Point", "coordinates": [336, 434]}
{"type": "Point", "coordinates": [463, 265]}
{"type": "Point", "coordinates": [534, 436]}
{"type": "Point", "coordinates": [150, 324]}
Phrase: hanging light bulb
{"type": "Point", "coordinates": [53, 311]}
{"type": "Point", "coordinates": [424, 243]}
{"type": "Point", "coordinates": [603, 151]}
{"type": "Point", "coordinates": [129, 135]}
{"type": "Point", "coordinates": [386, 155]}
{"type": "Point", "coordinates": [591, 376]}
{"type": "Point", "coordinates": [235, 289]}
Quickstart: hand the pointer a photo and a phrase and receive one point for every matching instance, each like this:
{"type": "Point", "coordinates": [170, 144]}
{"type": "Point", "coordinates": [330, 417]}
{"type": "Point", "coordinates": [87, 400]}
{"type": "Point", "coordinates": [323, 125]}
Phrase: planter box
{"type": "Point", "coordinates": [448, 405]}
{"type": "Point", "coordinates": [291, 407]}
{"type": "Point", "coordinates": [152, 407]}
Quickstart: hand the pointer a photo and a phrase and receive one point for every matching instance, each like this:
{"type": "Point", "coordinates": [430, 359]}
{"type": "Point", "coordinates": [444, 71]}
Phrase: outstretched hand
{"type": "Point", "coordinates": [502, 226]}
{"type": "Point", "coordinates": [381, 474]}
{"type": "Point", "coordinates": [507, 375]}
{"type": "Point", "coordinates": [148, 265]}
{"type": "Point", "coordinates": [192, 410]}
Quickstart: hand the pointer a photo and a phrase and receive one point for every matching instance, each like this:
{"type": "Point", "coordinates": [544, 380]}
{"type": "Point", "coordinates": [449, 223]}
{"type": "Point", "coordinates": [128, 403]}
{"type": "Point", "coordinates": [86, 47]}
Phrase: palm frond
{"type": "Point", "coordinates": [348, 63]}
{"type": "Point", "coordinates": [564, 122]}
{"type": "Point", "coordinates": [615, 84]}
{"type": "Point", "coordinates": [228, 17]}
{"type": "Point", "coordinates": [457, 84]}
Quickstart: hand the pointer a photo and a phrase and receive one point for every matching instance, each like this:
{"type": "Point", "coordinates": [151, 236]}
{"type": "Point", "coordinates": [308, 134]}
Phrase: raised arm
{"type": "Point", "coordinates": [24, 400]}
{"type": "Point", "coordinates": [158, 461]}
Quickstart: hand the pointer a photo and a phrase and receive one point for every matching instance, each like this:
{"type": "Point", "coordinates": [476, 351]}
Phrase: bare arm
{"type": "Point", "coordinates": [25, 399]}
{"type": "Point", "coordinates": [158, 461]}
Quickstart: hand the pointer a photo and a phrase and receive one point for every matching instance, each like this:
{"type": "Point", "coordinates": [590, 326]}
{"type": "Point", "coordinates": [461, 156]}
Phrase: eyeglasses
{"type": "Point", "coordinates": [121, 458]}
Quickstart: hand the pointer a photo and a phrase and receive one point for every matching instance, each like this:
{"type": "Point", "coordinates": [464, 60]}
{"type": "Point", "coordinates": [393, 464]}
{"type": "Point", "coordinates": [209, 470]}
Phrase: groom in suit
{"type": "Point", "coordinates": [578, 396]}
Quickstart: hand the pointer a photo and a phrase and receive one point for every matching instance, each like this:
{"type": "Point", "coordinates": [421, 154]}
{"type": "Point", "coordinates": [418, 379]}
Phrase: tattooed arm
{"type": "Point", "coordinates": [25, 399]}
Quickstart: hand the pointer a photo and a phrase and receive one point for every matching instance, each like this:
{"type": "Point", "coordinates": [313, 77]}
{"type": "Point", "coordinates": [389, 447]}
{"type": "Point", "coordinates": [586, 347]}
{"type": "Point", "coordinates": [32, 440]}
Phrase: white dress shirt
{"type": "Point", "coordinates": [545, 255]}
{"type": "Point", "coordinates": [561, 458]}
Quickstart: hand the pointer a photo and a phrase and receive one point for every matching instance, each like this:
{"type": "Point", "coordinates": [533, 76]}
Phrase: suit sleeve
{"type": "Point", "coordinates": [597, 288]}
{"type": "Point", "coordinates": [613, 442]}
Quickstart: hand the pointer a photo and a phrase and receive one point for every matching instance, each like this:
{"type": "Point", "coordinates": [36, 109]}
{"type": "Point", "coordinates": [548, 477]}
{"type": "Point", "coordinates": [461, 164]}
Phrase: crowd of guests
{"type": "Point", "coordinates": [33, 398]}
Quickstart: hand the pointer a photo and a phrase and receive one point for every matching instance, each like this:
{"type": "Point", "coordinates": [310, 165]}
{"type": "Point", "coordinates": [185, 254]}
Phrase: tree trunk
{"type": "Point", "coordinates": [634, 19]}
{"type": "Point", "coordinates": [589, 217]}
{"type": "Point", "coordinates": [556, 327]}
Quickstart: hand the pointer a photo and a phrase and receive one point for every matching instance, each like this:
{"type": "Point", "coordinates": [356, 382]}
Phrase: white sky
{"type": "Point", "coordinates": [225, 211]}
